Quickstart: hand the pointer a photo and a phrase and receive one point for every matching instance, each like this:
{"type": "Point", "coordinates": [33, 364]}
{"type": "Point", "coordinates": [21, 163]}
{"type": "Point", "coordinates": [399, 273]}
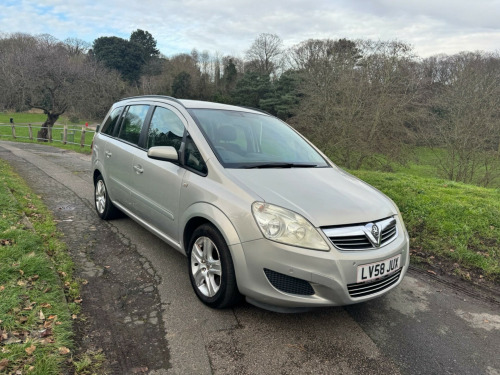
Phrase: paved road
{"type": "Point", "coordinates": [141, 310]}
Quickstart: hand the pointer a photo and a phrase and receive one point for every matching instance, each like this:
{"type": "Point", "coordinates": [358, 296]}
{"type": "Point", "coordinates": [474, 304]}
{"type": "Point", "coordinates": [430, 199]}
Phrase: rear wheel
{"type": "Point", "coordinates": [211, 269]}
{"type": "Point", "coordinates": [103, 205]}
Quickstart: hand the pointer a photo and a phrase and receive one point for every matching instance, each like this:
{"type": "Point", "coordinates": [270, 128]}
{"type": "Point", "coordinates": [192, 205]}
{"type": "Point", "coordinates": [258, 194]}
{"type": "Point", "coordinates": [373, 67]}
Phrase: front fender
{"type": "Point", "coordinates": [215, 216]}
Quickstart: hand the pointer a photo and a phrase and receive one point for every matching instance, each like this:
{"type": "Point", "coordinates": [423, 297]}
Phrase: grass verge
{"type": "Point", "coordinates": [447, 221]}
{"type": "Point", "coordinates": [36, 281]}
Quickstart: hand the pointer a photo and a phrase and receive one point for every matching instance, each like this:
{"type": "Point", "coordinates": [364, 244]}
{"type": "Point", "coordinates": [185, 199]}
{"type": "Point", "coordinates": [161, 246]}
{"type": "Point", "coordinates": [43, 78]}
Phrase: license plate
{"type": "Point", "coordinates": [372, 271]}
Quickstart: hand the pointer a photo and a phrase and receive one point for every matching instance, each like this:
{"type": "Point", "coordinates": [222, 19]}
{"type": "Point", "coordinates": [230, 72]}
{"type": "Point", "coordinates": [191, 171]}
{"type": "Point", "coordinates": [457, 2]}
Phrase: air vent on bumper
{"type": "Point", "coordinates": [289, 284]}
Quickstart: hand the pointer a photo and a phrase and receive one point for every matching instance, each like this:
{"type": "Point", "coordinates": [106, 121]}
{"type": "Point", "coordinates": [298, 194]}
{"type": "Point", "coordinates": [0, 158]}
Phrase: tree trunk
{"type": "Point", "coordinates": [43, 133]}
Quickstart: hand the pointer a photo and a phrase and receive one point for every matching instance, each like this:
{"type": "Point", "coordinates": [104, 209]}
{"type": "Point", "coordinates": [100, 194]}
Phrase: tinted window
{"type": "Point", "coordinates": [132, 123]}
{"type": "Point", "coordinates": [111, 121]}
{"type": "Point", "coordinates": [192, 157]}
{"type": "Point", "coordinates": [166, 129]}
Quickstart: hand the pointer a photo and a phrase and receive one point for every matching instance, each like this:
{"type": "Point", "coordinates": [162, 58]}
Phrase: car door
{"type": "Point", "coordinates": [156, 184]}
{"type": "Point", "coordinates": [120, 151]}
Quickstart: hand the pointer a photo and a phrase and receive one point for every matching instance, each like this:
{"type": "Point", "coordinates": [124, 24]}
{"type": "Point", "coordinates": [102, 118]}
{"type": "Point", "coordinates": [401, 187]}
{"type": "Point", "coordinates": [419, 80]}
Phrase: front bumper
{"type": "Point", "coordinates": [328, 272]}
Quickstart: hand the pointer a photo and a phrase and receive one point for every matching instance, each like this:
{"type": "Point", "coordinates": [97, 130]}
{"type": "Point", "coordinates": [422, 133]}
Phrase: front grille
{"type": "Point", "coordinates": [289, 284]}
{"type": "Point", "coordinates": [352, 242]}
{"type": "Point", "coordinates": [365, 289]}
{"type": "Point", "coordinates": [359, 237]}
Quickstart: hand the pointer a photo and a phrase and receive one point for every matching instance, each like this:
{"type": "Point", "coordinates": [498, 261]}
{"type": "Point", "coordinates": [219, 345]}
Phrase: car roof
{"type": "Point", "coordinates": [192, 104]}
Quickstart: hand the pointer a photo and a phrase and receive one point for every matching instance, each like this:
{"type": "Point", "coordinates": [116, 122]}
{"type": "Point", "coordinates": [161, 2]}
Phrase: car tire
{"type": "Point", "coordinates": [103, 204]}
{"type": "Point", "coordinates": [211, 269]}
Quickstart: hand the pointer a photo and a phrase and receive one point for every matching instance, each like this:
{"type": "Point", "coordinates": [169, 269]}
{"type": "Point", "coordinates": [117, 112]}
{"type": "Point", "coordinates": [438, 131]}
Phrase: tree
{"type": "Point", "coordinates": [146, 43]}
{"type": "Point", "coordinates": [265, 53]}
{"type": "Point", "coordinates": [251, 88]}
{"type": "Point", "coordinates": [360, 99]}
{"type": "Point", "coordinates": [40, 72]}
{"type": "Point", "coordinates": [465, 115]}
{"type": "Point", "coordinates": [121, 55]}
{"type": "Point", "coordinates": [181, 87]}
{"type": "Point", "coordinates": [230, 75]}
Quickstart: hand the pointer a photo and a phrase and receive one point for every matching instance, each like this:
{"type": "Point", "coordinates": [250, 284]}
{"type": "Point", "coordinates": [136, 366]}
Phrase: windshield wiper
{"type": "Point", "coordinates": [279, 165]}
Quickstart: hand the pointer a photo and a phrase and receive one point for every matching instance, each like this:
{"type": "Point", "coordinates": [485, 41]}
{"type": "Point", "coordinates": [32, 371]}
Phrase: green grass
{"type": "Point", "coordinates": [21, 121]}
{"type": "Point", "coordinates": [36, 280]}
{"type": "Point", "coordinates": [74, 135]}
{"type": "Point", "coordinates": [425, 162]}
{"type": "Point", "coordinates": [34, 118]}
{"type": "Point", "coordinates": [447, 220]}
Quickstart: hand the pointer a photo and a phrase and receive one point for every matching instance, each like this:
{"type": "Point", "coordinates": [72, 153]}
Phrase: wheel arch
{"type": "Point", "coordinates": [201, 213]}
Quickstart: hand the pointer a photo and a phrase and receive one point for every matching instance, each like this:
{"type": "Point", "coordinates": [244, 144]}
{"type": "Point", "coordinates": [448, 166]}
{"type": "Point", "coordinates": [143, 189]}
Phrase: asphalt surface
{"type": "Point", "coordinates": [140, 308]}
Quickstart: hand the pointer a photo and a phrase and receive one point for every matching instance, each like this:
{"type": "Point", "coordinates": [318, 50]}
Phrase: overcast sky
{"type": "Point", "coordinates": [230, 26]}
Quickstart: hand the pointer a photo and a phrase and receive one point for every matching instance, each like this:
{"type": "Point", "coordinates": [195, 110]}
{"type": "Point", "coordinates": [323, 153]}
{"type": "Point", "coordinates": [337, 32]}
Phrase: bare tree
{"type": "Point", "coordinates": [360, 98]}
{"type": "Point", "coordinates": [40, 72]}
{"type": "Point", "coordinates": [465, 115]}
{"type": "Point", "coordinates": [264, 56]}
{"type": "Point", "coordinates": [76, 47]}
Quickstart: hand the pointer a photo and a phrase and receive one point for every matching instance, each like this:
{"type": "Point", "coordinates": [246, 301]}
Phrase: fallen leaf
{"type": "Point", "coordinates": [46, 305]}
{"type": "Point", "coordinates": [30, 350]}
{"type": "Point", "coordinates": [47, 324]}
{"type": "Point", "coordinates": [21, 283]}
{"type": "Point", "coordinates": [52, 317]}
{"type": "Point", "coordinates": [63, 350]}
{"type": "Point", "coordinates": [41, 315]}
{"type": "Point", "coordinates": [74, 316]}
{"type": "Point", "coordinates": [48, 340]}
{"type": "Point", "coordinates": [107, 266]}
{"type": "Point", "coordinates": [31, 368]}
{"type": "Point", "coordinates": [434, 273]}
{"type": "Point", "coordinates": [79, 300]}
{"type": "Point", "coordinates": [21, 272]}
{"type": "Point", "coordinates": [3, 364]}
{"type": "Point", "coordinates": [2, 288]}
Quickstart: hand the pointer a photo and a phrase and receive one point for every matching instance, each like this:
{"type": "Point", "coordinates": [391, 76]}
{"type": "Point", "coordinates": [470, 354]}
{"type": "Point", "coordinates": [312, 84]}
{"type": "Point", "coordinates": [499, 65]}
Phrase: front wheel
{"type": "Point", "coordinates": [103, 205]}
{"type": "Point", "coordinates": [211, 269]}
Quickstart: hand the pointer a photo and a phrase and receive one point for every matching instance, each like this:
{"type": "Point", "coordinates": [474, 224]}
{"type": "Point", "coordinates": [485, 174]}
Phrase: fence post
{"type": "Point", "coordinates": [49, 128]}
{"type": "Point", "coordinates": [30, 132]}
{"type": "Point", "coordinates": [13, 131]}
{"type": "Point", "coordinates": [82, 139]}
{"type": "Point", "coordinates": [65, 134]}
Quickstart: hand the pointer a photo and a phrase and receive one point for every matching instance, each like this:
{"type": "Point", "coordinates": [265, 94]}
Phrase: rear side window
{"type": "Point", "coordinates": [133, 122]}
{"type": "Point", "coordinates": [111, 121]}
{"type": "Point", "coordinates": [166, 129]}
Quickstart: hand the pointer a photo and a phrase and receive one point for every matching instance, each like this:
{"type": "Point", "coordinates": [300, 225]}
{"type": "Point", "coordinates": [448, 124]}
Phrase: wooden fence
{"type": "Point", "coordinates": [64, 135]}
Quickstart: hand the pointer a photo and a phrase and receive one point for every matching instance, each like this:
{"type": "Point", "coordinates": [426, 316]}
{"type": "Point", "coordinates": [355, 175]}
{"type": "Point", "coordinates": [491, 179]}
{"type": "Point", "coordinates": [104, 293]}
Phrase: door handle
{"type": "Point", "coordinates": [108, 154]}
{"type": "Point", "coordinates": [138, 169]}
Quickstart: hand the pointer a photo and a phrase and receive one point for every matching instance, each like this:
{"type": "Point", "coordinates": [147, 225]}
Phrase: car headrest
{"type": "Point", "coordinates": [226, 133]}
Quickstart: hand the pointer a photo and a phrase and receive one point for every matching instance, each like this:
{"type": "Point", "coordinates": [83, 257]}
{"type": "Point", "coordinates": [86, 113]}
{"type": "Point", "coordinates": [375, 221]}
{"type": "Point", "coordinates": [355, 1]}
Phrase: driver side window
{"type": "Point", "coordinates": [166, 129]}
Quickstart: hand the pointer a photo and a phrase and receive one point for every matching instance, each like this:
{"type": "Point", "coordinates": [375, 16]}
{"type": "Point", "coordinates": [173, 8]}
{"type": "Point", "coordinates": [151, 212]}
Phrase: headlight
{"type": "Point", "coordinates": [281, 225]}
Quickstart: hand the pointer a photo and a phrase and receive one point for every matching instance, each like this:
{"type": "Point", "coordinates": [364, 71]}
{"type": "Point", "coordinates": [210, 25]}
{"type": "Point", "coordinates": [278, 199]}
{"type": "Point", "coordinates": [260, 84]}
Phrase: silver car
{"type": "Point", "coordinates": [257, 209]}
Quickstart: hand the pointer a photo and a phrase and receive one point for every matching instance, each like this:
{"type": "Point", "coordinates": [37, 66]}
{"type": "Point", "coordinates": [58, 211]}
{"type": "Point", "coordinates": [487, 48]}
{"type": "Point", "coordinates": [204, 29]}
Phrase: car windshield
{"type": "Point", "coordinates": [250, 140]}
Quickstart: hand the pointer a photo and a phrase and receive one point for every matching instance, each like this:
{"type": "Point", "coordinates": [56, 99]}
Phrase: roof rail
{"type": "Point", "coordinates": [255, 109]}
{"type": "Point", "coordinates": [154, 96]}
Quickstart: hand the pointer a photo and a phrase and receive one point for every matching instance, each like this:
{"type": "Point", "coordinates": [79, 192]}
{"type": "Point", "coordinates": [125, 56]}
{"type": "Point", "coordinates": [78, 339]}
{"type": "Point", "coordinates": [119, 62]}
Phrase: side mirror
{"type": "Point", "coordinates": [166, 153]}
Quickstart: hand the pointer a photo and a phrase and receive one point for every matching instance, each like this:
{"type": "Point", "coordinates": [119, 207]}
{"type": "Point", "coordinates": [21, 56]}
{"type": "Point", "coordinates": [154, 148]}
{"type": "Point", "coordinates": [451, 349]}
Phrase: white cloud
{"type": "Point", "coordinates": [230, 26]}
